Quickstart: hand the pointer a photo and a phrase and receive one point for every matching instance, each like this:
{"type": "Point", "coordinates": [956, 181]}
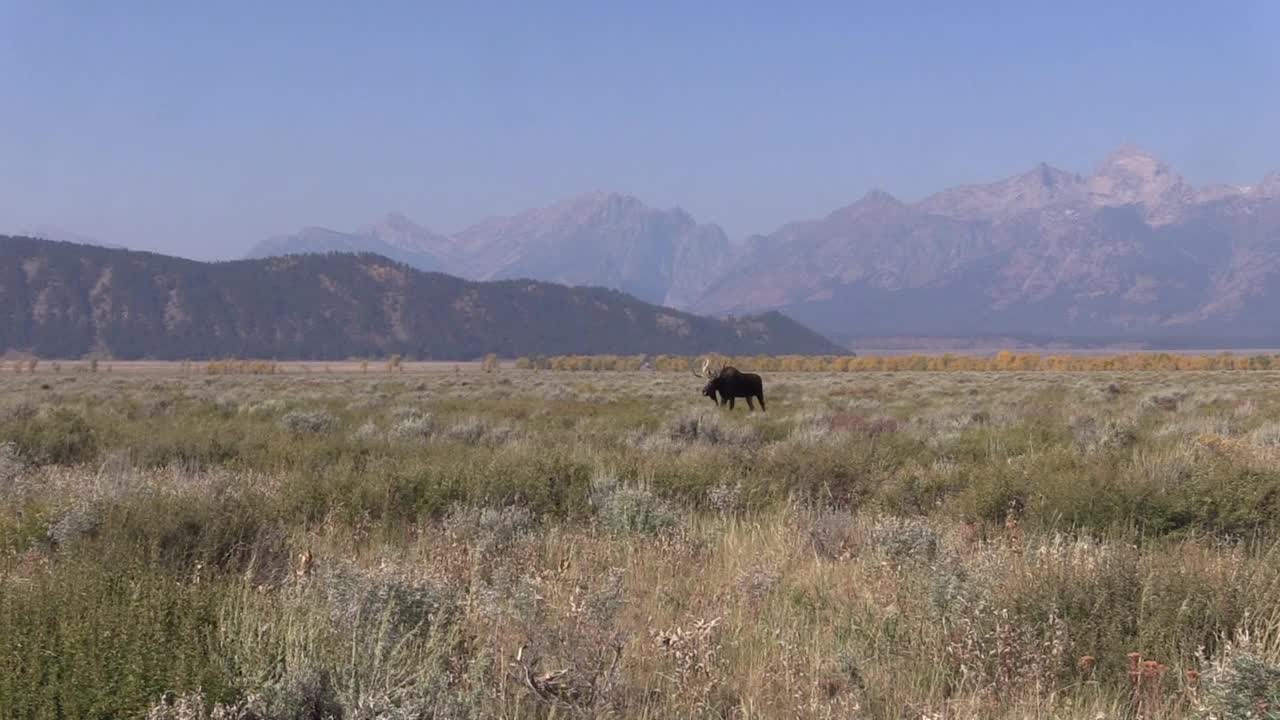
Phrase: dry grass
{"type": "Point", "coordinates": [529, 544]}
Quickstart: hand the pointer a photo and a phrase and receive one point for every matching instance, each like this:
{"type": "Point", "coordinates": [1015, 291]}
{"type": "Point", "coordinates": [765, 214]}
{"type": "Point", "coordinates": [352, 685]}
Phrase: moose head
{"type": "Point", "coordinates": [711, 376]}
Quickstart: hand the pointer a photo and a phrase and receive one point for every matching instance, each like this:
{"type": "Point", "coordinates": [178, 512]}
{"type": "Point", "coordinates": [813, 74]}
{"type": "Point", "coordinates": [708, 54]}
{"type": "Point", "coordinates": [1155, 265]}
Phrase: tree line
{"type": "Point", "coordinates": [1005, 360]}
{"type": "Point", "coordinates": [947, 362]}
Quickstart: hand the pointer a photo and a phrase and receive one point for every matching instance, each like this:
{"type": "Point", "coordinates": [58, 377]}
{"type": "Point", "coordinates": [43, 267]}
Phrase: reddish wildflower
{"type": "Point", "coordinates": [1134, 673]}
{"type": "Point", "coordinates": [1014, 529]}
{"type": "Point", "coordinates": [1087, 663]}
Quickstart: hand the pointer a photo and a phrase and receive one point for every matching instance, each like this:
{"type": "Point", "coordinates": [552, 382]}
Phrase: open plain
{"type": "Point", "coordinates": [452, 543]}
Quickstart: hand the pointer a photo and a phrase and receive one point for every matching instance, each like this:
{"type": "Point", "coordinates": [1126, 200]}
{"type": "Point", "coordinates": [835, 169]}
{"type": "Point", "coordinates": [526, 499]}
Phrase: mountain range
{"type": "Point", "coordinates": [68, 300]}
{"type": "Point", "coordinates": [598, 239]}
{"type": "Point", "coordinates": [1130, 252]}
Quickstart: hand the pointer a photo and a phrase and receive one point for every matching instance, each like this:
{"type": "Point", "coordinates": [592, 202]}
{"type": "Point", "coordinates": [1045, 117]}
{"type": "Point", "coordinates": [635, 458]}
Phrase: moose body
{"type": "Point", "coordinates": [730, 383]}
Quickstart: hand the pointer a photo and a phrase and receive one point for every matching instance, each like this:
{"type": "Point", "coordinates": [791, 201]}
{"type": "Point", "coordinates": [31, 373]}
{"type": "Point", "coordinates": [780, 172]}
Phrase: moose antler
{"type": "Point", "coordinates": [706, 361]}
{"type": "Point", "coordinates": [557, 687]}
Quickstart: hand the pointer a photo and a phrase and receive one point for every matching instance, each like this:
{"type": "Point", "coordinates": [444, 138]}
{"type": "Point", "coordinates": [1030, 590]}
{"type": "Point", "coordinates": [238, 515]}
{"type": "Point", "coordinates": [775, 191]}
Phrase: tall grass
{"type": "Point", "coordinates": [522, 544]}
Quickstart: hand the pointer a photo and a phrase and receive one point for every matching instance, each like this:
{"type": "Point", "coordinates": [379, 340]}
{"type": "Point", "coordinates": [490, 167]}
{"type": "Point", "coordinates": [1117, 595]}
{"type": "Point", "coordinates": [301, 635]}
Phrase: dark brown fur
{"type": "Point", "coordinates": [730, 383]}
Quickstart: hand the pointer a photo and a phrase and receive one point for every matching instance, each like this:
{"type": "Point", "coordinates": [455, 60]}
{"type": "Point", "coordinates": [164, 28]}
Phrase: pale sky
{"type": "Point", "coordinates": [200, 128]}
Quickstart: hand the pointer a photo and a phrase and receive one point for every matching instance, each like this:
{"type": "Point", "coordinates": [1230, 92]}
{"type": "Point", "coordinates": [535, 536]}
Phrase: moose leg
{"type": "Point", "coordinates": [750, 405]}
{"type": "Point", "coordinates": [730, 402]}
{"type": "Point", "coordinates": [760, 397]}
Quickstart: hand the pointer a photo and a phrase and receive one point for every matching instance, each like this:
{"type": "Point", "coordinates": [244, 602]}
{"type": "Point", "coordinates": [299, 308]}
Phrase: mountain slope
{"type": "Point", "coordinates": [53, 232]}
{"type": "Point", "coordinates": [67, 300]}
{"type": "Point", "coordinates": [1132, 252]}
{"type": "Point", "coordinates": [600, 239]}
{"type": "Point", "coordinates": [596, 239]}
{"type": "Point", "coordinates": [395, 236]}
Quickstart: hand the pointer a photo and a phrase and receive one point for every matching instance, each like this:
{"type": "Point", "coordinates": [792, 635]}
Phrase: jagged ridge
{"type": "Point", "coordinates": [602, 239]}
{"type": "Point", "coordinates": [1132, 252]}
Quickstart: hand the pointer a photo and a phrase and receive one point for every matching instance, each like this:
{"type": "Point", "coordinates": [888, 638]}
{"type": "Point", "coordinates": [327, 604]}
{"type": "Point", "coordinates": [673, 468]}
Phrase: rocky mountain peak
{"type": "Point", "coordinates": [1270, 186]}
{"type": "Point", "coordinates": [1131, 161]}
{"type": "Point", "coordinates": [880, 197]}
{"type": "Point", "coordinates": [1039, 187]}
{"type": "Point", "coordinates": [398, 230]}
{"type": "Point", "coordinates": [1044, 175]}
{"type": "Point", "coordinates": [1042, 233]}
{"type": "Point", "coordinates": [876, 203]}
{"type": "Point", "coordinates": [398, 221]}
{"type": "Point", "coordinates": [1211, 193]}
{"type": "Point", "coordinates": [588, 209]}
{"type": "Point", "coordinates": [601, 202]}
{"type": "Point", "coordinates": [598, 238]}
{"type": "Point", "coordinates": [684, 217]}
{"type": "Point", "coordinates": [1132, 176]}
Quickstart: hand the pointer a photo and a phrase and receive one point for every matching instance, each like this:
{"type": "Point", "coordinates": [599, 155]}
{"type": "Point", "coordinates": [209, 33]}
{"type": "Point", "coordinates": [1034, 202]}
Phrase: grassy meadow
{"type": "Point", "coordinates": [435, 543]}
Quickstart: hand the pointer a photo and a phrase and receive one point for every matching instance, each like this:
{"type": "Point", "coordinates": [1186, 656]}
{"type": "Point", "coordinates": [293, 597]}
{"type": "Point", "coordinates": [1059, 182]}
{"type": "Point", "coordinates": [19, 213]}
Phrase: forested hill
{"type": "Point", "coordinates": [60, 299]}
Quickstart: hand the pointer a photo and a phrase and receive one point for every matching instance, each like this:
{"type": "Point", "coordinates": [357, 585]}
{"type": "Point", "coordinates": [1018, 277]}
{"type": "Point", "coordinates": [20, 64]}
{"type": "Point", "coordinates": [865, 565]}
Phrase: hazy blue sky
{"type": "Point", "coordinates": [200, 127]}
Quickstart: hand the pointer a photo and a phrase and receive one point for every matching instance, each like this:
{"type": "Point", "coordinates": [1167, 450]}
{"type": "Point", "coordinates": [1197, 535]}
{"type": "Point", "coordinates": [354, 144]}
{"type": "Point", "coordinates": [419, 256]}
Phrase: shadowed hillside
{"type": "Point", "coordinates": [68, 300]}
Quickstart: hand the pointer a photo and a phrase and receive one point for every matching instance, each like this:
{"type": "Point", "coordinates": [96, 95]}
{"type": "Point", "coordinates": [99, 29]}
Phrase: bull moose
{"type": "Point", "coordinates": [729, 383]}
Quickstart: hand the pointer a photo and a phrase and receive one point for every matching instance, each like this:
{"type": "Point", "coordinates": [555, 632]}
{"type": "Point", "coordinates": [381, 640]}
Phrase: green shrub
{"type": "Point", "coordinates": [192, 447]}
{"type": "Point", "coordinates": [61, 437]}
{"type": "Point", "coordinates": [106, 640]}
{"type": "Point", "coordinates": [632, 509]}
{"type": "Point", "coordinates": [414, 427]}
{"type": "Point", "coordinates": [11, 465]}
{"type": "Point", "coordinates": [1243, 683]}
{"type": "Point", "coordinates": [315, 421]}
{"type": "Point", "coordinates": [178, 532]}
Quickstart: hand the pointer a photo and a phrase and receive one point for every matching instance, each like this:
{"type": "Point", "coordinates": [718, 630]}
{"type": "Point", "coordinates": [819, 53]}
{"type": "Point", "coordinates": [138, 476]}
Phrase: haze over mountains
{"type": "Point", "coordinates": [600, 239]}
{"type": "Point", "coordinates": [1131, 252]}
{"type": "Point", "coordinates": [53, 232]}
